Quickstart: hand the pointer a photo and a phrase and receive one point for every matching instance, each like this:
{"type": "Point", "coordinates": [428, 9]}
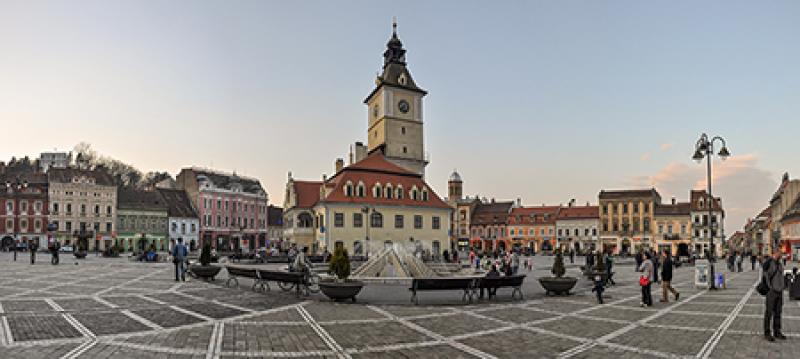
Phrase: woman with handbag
{"type": "Point", "coordinates": [646, 279]}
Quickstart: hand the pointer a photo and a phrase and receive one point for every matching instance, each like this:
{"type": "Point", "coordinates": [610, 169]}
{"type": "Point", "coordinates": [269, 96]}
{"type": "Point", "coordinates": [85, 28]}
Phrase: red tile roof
{"type": "Point", "coordinates": [696, 195]}
{"type": "Point", "coordinates": [375, 169]}
{"type": "Point", "coordinates": [307, 193]}
{"type": "Point", "coordinates": [534, 215]}
{"type": "Point", "coordinates": [579, 212]}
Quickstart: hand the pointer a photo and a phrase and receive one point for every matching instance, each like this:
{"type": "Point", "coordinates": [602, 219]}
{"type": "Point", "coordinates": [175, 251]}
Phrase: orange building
{"type": "Point", "coordinates": [532, 228]}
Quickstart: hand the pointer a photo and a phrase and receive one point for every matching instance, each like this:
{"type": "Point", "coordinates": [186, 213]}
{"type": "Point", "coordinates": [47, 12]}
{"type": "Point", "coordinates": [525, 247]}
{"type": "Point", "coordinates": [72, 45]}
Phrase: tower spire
{"type": "Point", "coordinates": [394, 26]}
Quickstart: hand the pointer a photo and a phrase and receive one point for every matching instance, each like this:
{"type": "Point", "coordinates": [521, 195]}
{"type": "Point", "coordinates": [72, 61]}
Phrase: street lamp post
{"type": "Point", "coordinates": [368, 211]}
{"type": "Point", "coordinates": [704, 148]}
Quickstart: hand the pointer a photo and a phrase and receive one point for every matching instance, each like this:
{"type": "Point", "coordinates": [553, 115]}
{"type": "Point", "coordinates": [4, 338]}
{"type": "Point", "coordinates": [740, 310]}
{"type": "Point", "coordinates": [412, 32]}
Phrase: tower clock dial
{"type": "Point", "coordinates": [403, 106]}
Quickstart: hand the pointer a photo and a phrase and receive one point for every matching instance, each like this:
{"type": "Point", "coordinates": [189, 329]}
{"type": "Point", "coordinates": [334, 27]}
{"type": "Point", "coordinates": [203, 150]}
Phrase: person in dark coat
{"type": "Point", "coordinates": [598, 288]}
{"type": "Point", "coordinates": [656, 265]}
{"type": "Point", "coordinates": [753, 260]}
{"type": "Point", "coordinates": [609, 272]}
{"type": "Point", "coordinates": [639, 259]}
{"type": "Point", "coordinates": [666, 278]}
{"type": "Point", "coordinates": [773, 275]}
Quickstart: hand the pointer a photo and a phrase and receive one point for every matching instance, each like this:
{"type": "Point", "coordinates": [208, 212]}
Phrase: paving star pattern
{"type": "Point", "coordinates": [105, 308]}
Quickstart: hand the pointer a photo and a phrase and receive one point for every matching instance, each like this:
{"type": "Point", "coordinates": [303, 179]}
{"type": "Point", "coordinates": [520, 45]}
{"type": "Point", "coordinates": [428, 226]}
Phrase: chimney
{"type": "Point", "coordinates": [572, 202]}
{"type": "Point", "coordinates": [673, 200]}
{"type": "Point", "coordinates": [361, 151]}
{"type": "Point", "coordinates": [519, 202]}
{"type": "Point", "coordinates": [350, 156]}
{"type": "Point", "coordinates": [339, 165]}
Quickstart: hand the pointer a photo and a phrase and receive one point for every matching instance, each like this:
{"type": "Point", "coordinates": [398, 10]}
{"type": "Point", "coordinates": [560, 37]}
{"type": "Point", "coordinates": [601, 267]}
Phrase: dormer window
{"type": "Point", "coordinates": [377, 191]}
{"type": "Point", "coordinates": [389, 191]}
{"type": "Point", "coordinates": [348, 189]}
{"type": "Point", "coordinates": [361, 190]}
{"type": "Point", "coordinates": [402, 79]}
{"type": "Point", "coordinates": [400, 193]}
{"type": "Point", "coordinates": [414, 194]}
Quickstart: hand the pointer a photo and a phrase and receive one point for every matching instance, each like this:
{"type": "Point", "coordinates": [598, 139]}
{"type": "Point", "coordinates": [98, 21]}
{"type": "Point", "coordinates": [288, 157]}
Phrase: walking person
{"type": "Point", "coordinates": [33, 247]}
{"type": "Point", "coordinates": [656, 264]}
{"type": "Point", "coordinates": [609, 272]}
{"type": "Point", "coordinates": [598, 288]}
{"type": "Point", "coordinates": [753, 259]}
{"type": "Point", "coordinates": [179, 254]}
{"type": "Point", "coordinates": [514, 262]}
{"type": "Point", "coordinates": [646, 279]}
{"type": "Point", "coordinates": [739, 260]}
{"type": "Point", "coordinates": [54, 252]}
{"type": "Point", "coordinates": [773, 275]}
{"type": "Point", "coordinates": [666, 278]}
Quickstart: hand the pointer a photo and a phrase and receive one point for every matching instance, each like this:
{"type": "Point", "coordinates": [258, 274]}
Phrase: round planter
{"type": "Point", "coordinates": [205, 272]}
{"type": "Point", "coordinates": [79, 255]}
{"type": "Point", "coordinates": [341, 290]}
{"type": "Point", "coordinates": [558, 286]}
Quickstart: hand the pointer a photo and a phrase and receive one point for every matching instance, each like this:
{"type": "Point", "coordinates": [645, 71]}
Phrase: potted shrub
{"type": "Point", "coordinates": [558, 284]}
{"type": "Point", "coordinates": [205, 269]}
{"type": "Point", "coordinates": [340, 287]}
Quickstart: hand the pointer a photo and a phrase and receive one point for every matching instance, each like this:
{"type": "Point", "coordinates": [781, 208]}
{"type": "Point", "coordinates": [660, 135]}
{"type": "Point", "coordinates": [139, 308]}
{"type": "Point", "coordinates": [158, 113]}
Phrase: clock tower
{"type": "Point", "coordinates": [395, 111]}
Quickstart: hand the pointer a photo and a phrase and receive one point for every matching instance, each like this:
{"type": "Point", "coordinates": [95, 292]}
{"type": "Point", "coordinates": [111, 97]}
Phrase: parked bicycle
{"type": "Point", "coordinates": [310, 281]}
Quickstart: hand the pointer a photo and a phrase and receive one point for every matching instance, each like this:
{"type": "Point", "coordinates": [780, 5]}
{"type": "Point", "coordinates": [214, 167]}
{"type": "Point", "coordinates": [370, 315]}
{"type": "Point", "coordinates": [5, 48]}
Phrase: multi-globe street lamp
{"type": "Point", "coordinates": [704, 148]}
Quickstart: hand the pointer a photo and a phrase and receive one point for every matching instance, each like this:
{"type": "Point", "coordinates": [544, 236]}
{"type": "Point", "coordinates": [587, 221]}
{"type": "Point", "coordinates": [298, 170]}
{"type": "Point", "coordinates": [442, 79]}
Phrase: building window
{"type": "Point", "coordinates": [389, 191]}
{"type": "Point", "coordinates": [669, 229]}
{"type": "Point", "coordinates": [400, 193]}
{"type": "Point", "coordinates": [108, 210]}
{"type": "Point", "coordinates": [376, 220]}
{"type": "Point", "coordinates": [338, 220]}
{"type": "Point", "coordinates": [594, 231]}
{"type": "Point", "coordinates": [436, 222]}
{"type": "Point", "coordinates": [9, 225]}
{"type": "Point", "coordinates": [108, 227]}
{"type": "Point", "coordinates": [605, 227]}
{"type": "Point", "coordinates": [83, 209]}
{"type": "Point", "coordinates": [414, 194]}
{"type": "Point", "coordinates": [37, 207]}
{"type": "Point", "coordinates": [405, 149]}
{"type": "Point", "coordinates": [398, 221]}
{"type": "Point", "coordinates": [377, 191]}
{"type": "Point", "coordinates": [660, 228]}
{"type": "Point", "coordinates": [683, 228]}
{"type": "Point", "coordinates": [624, 208]}
{"type": "Point", "coordinates": [646, 208]}
{"type": "Point", "coordinates": [9, 207]}
{"type": "Point", "coordinates": [96, 209]}
{"type": "Point", "coordinates": [417, 221]}
{"type": "Point", "coordinates": [194, 229]}
{"type": "Point", "coordinates": [69, 208]}
{"type": "Point", "coordinates": [23, 206]}
{"type": "Point", "coordinates": [55, 208]}
{"type": "Point", "coordinates": [174, 227]}
{"type": "Point", "coordinates": [69, 226]}
{"type": "Point", "coordinates": [360, 190]}
{"type": "Point", "coordinates": [425, 195]}
{"type": "Point", "coordinates": [358, 220]}
{"type": "Point", "coordinates": [403, 130]}
{"type": "Point", "coordinates": [348, 189]}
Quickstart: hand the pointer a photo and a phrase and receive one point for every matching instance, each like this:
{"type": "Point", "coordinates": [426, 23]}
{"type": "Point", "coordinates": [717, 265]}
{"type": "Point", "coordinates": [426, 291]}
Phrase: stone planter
{"type": "Point", "coordinates": [338, 291]}
{"type": "Point", "coordinates": [208, 272]}
{"type": "Point", "coordinates": [558, 286]}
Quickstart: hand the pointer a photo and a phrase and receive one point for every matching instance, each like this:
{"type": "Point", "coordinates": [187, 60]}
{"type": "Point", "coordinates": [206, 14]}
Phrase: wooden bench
{"type": "Point", "coordinates": [296, 278]}
{"type": "Point", "coordinates": [493, 283]}
{"type": "Point", "coordinates": [426, 284]}
{"type": "Point", "coordinates": [234, 273]}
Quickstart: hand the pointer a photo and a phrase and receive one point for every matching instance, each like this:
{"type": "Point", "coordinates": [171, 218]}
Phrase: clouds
{"type": "Point", "coordinates": [666, 146]}
{"type": "Point", "coordinates": [745, 187]}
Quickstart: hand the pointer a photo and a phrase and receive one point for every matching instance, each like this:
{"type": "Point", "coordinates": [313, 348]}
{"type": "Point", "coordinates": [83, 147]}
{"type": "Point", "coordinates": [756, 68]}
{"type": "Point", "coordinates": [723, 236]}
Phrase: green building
{"type": "Point", "coordinates": [141, 221]}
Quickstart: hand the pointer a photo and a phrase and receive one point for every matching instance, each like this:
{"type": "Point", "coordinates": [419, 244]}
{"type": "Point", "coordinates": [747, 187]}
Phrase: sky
{"type": "Point", "coordinates": [540, 100]}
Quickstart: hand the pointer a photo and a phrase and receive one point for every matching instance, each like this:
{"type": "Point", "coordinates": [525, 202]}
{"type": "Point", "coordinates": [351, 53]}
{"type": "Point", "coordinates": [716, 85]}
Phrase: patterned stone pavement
{"type": "Point", "coordinates": [104, 308]}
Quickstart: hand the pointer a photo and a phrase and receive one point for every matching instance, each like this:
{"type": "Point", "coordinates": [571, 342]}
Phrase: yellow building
{"type": "Point", "coordinates": [626, 218]}
{"type": "Point", "coordinates": [673, 228]}
{"type": "Point", "coordinates": [365, 207]}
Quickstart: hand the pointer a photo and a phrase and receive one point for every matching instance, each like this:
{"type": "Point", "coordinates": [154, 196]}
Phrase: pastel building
{"type": "Point", "coordinates": [183, 222]}
{"type": "Point", "coordinates": [83, 207]}
{"type": "Point", "coordinates": [23, 216]}
{"type": "Point", "coordinates": [577, 227]}
{"type": "Point", "coordinates": [232, 209]}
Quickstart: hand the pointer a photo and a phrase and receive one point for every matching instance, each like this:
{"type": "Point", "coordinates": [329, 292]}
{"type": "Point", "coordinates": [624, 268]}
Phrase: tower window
{"type": "Point", "coordinates": [403, 130]}
{"type": "Point", "coordinates": [405, 149]}
{"type": "Point", "coordinates": [376, 134]}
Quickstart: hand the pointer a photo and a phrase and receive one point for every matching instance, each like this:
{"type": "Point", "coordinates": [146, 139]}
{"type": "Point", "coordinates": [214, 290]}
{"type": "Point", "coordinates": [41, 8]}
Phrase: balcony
{"type": "Point", "coordinates": [299, 231]}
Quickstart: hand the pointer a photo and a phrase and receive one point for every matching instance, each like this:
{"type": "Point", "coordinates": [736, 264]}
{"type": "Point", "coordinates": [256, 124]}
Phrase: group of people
{"type": "Point", "coordinates": [649, 267]}
{"type": "Point", "coordinates": [505, 262]}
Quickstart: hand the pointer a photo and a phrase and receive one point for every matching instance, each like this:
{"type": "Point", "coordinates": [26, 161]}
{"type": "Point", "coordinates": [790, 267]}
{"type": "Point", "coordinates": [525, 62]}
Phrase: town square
{"type": "Point", "coordinates": [315, 179]}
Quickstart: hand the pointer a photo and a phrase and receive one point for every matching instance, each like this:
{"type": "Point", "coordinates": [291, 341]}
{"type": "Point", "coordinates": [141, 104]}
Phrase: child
{"type": "Point", "coordinates": [598, 288]}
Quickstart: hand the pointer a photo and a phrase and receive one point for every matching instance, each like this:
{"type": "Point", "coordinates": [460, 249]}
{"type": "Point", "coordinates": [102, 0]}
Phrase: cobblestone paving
{"type": "Point", "coordinates": [104, 308]}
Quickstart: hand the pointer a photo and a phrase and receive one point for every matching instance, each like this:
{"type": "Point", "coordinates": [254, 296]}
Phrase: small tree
{"type": "Point", "coordinates": [340, 264]}
{"type": "Point", "coordinates": [558, 265]}
{"type": "Point", "coordinates": [205, 254]}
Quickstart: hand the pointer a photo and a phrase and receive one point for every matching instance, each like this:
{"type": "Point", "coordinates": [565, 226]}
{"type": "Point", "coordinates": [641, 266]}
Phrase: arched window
{"type": "Point", "coordinates": [414, 193]}
{"type": "Point", "coordinates": [400, 193]}
{"type": "Point", "coordinates": [389, 191]}
{"type": "Point", "coordinates": [360, 190]}
{"type": "Point", "coordinates": [377, 190]}
{"type": "Point", "coordinates": [425, 194]}
{"type": "Point", "coordinates": [348, 189]}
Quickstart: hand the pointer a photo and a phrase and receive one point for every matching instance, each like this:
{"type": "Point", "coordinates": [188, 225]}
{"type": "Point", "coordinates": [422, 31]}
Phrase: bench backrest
{"type": "Point", "coordinates": [442, 283]}
{"type": "Point", "coordinates": [507, 281]}
{"type": "Point", "coordinates": [281, 276]}
{"type": "Point", "coordinates": [241, 272]}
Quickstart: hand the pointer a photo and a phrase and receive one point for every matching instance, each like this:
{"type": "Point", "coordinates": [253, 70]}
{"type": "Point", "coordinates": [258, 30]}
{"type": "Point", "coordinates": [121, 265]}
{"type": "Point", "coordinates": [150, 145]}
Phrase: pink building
{"type": "Point", "coordinates": [232, 208]}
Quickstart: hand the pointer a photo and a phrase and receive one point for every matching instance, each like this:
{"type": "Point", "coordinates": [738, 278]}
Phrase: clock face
{"type": "Point", "coordinates": [403, 106]}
